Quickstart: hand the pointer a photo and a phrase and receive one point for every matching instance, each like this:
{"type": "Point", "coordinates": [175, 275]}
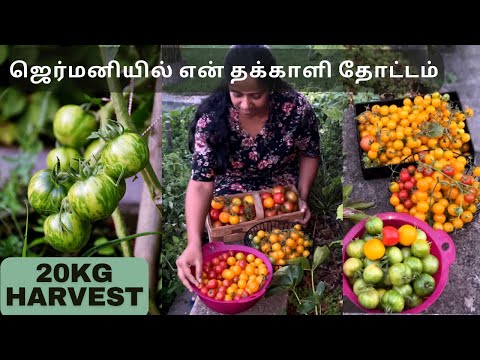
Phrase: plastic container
{"type": "Point", "coordinates": [214, 249]}
{"type": "Point", "coordinates": [386, 171]}
{"type": "Point", "coordinates": [442, 247]}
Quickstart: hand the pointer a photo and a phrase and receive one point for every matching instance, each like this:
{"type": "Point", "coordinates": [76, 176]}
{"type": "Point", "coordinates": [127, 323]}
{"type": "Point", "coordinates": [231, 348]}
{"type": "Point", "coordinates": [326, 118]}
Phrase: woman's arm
{"type": "Point", "coordinates": [197, 203]}
{"type": "Point", "coordinates": [308, 172]}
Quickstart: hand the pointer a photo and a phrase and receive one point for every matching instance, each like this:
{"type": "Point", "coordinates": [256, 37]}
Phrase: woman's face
{"type": "Point", "coordinates": [249, 97]}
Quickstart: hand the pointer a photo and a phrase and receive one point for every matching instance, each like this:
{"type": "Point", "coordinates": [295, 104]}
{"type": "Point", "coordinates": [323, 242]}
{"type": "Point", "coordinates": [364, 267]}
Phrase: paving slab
{"type": "Point", "coordinates": [274, 305]}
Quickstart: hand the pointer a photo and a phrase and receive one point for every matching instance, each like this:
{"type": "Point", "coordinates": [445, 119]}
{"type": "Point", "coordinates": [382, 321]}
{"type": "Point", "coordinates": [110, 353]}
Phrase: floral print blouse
{"type": "Point", "coordinates": [270, 158]}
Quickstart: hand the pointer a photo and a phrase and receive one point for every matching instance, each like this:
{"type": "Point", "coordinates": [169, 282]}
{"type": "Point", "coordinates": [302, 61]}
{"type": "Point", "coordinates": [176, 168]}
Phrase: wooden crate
{"type": "Point", "coordinates": [235, 233]}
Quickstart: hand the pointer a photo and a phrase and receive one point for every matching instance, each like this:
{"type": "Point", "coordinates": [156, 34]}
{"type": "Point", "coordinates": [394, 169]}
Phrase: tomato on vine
{"type": "Point", "coordinates": [72, 125]}
{"type": "Point", "coordinates": [66, 232]}
{"type": "Point", "coordinates": [46, 190]}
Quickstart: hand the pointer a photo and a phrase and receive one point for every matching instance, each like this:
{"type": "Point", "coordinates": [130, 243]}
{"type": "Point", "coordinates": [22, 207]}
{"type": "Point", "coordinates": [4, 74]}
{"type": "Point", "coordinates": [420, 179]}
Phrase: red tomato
{"type": "Point", "coordinates": [467, 179]}
{"type": "Point", "coordinates": [279, 198]}
{"type": "Point", "coordinates": [391, 236]}
{"type": "Point", "coordinates": [214, 213]}
{"type": "Point", "coordinates": [265, 195]}
{"type": "Point", "coordinates": [427, 171]}
{"type": "Point", "coordinates": [271, 212]}
{"type": "Point", "coordinates": [242, 264]}
{"type": "Point", "coordinates": [212, 284]}
{"type": "Point", "coordinates": [278, 189]}
{"type": "Point", "coordinates": [448, 170]}
{"type": "Point", "coordinates": [366, 142]}
{"type": "Point", "coordinates": [288, 207]}
{"type": "Point", "coordinates": [218, 269]}
{"type": "Point", "coordinates": [408, 185]}
{"type": "Point", "coordinates": [469, 198]}
{"type": "Point", "coordinates": [404, 175]}
{"type": "Point", "coordinates": [217, 224]}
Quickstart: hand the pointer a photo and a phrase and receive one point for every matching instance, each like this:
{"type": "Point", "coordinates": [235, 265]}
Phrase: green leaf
{"type": "Point", "coordinates": [13, 102]}
{"type": "Point", "coordinates": [307, 306]}
{"type": "Point", "coordinates": [359, 205]}
{"type": "Point", "coordinates": [334, 114]}
{"type": "Point", "coordinates": [302, 262]}
{"type": "Point", "coordinates": [347, 191]}
{"type": "Point", "coordinates": [355, 215]}
{"type": "Point", "coordinates": [93, 100]}
{"type": "Point", "coordinates": [276, 289]}
{"type": "Point", "coordinates": [340, 212]}
{"type": "Point", "coordinates": [24, 250]}
{"type": "Point", "coordinates": [432, 130]}
{"type": "Point", "coordinates": [289, 276]}
{"type": "Point", "coordinates": [3, 53]}
{"type": "Point", "coordinates": [320, 288]}
{"type": "Point", "coordinates": [321, 254]}
{"type": "Point", "coordinates": [93, 250]}
{"type": "Point", "coordinates": [142, 113]}
{"type": "Point", "coordinates": [38, 241]}
{"type": "Point", "coordinates": [93, 135]}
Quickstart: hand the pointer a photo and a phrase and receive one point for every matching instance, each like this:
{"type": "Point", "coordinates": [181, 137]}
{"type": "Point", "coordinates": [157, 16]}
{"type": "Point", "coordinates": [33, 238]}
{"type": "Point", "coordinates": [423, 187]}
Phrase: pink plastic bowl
{"type": "Point", "coordinates": [442, 247]}
{"type": "Point", "coordinates": [214, 249]}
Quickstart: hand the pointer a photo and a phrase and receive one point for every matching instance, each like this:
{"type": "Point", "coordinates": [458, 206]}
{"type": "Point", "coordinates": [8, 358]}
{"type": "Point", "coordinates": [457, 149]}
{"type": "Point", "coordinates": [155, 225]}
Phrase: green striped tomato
{"type": "Point", "coordinates": [45, 194]}
{"type": "Point", "coordinates": [72, 125]}
{"type": "Point", "coordinates": [94, 149]}
{"type": "Point", "coordinates": [121, 189]}
{"type": "Point", "coordinates": [65, 154]}
{"type": "Point", "coordinates": [94, 198]}
{"type": "Point", "coordinates": [129, 152]}
{"type": "Point", "coordinates": [66, 232]}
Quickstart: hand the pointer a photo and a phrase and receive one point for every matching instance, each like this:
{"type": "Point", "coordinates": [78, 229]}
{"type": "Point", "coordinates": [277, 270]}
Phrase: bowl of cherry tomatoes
{"type": "Point", "coordinates": [234, 277]}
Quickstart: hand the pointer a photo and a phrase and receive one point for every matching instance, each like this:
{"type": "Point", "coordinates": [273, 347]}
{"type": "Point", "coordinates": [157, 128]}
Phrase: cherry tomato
{"type": "Point", "coordinates": [391, 236]}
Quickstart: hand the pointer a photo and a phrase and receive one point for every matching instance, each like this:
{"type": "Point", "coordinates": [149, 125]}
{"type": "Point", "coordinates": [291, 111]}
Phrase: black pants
{"type": "Point", "coordinates": [205, 239]}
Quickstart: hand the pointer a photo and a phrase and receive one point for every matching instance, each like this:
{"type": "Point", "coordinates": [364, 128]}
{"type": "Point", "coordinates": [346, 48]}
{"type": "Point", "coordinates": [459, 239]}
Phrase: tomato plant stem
{"type": "Point", "coordinates": [105, 113]}
{"type": "Point", "coordinates": [148, 174]}
{"type": "Point", "coordinates": [124, 118]}
{"type": "Point", "coordinates": [298, 299]}
{"type": "Point", "coordinates": [313, 289]}
{"type": "Point", "coordinates": [121, 230]}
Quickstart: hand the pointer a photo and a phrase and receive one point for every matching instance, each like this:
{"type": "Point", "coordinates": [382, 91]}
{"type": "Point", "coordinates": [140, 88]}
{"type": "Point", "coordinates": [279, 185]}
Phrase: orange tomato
{"type": "Point", "coordinates": [217, 203]}
{"type": "Point", "coordinates": [407, 234]}
{"type": "Point", "coordinates": [268, 203]}
{"type": "Point", "coordinates": [374, 249]}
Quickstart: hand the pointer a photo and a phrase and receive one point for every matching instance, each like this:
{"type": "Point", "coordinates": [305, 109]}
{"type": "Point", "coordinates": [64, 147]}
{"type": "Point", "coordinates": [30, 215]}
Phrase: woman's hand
{"type": "Point", "coordinates": [306, 213]}
{"type": "Point", "coordinates": [191, 256]}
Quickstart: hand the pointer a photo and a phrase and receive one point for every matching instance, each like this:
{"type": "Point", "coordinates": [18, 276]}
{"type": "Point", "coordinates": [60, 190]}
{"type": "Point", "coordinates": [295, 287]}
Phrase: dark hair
{"type": "Point", "coordinates": [217, 104]}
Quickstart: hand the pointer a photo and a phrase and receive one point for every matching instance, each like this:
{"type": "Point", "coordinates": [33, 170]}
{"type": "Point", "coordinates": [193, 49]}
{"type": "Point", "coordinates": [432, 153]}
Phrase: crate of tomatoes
{"type": "Point", "coordinates": [389, 132]}
{"type": "Point", "coordinates": [231, 216]}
